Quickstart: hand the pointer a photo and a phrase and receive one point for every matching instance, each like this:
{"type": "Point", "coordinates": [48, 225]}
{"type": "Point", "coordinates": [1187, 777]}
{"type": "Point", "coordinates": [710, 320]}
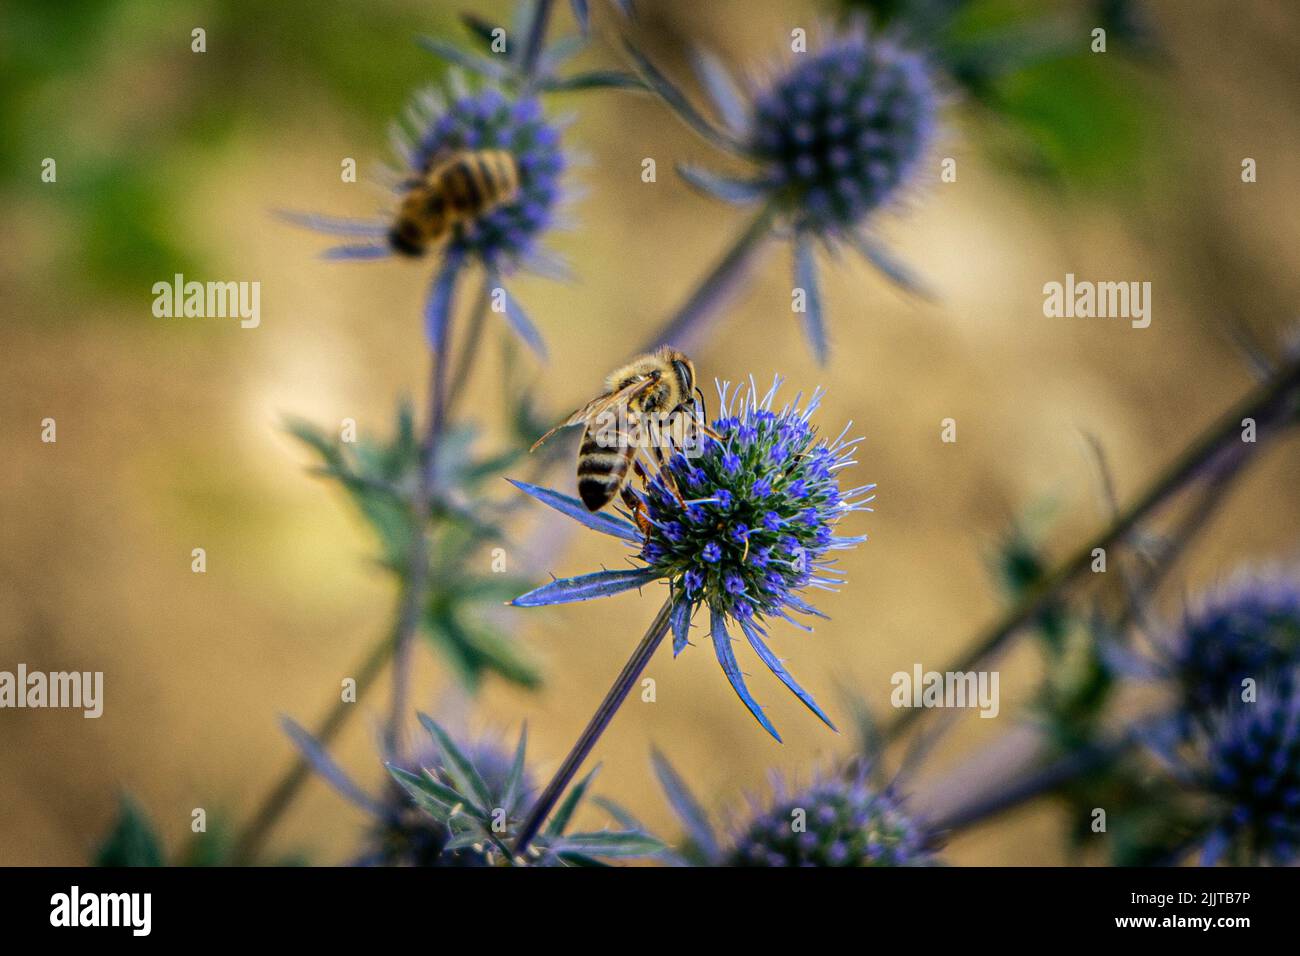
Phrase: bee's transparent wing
{"type": "Point", "coordinates": [597, 407]}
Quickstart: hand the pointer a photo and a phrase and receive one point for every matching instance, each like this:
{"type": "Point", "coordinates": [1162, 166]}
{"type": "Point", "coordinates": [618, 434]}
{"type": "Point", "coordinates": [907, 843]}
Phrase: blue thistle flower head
{"type": "Point", "coordinates": [488, 119]}
{"type": "Point", "coordinates": [843, 131]}
{"type": "Point", "coordinates": [744, 527]}
{"type": "Point", "coordinates": [836, 822]}
{"type": "Point", "coordinates": [757, 514]}
{"type": "Point", "coordinates": [1250, 765]}
{"type": "Point", "coordinates": [501, 239]}
{"type": "Point", "coordinates": [840, 820]}
{"type": "Point", "coordinates": [835, 137]}
{"type": "Point", "coordinates": [1250, 628]}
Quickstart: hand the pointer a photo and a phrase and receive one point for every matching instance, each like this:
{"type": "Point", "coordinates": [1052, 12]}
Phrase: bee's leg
{"type": "Point", "coordinates": [639, 470]}
{"type": "Point", "coordinates": [691, 429]}
{"type": "Point", "coordinates": [634, 504]}
{"type": "Point", "coordinates": [706, 430]}
{"type": "Point", "coordinates": [666, 475]}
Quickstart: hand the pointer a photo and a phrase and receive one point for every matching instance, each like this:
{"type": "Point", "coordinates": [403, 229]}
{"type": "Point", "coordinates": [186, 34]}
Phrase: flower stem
{"type": "Point", "coordinates": [1273, 403]}
{"type": "Point", "coordinates": [687, 326]}
{"type": "Point", "coordinates": [618, 692]}
{"type": "Point", "coordinates": [465, 362]}
{"type": "Point", "coordinates": [277, 801]}
{"type": "Point", "coordinates": [536, 36]}
{"type": "Point", "coordinates": [967, 809]}
{"type": "Point", "coordinates": [416, 587]}
{"type": "Point", "coordinates": [1039, 781]}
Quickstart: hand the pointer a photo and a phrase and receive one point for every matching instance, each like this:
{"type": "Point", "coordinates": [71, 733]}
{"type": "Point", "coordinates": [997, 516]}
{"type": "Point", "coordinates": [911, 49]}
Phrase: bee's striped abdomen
{"type": "Point", "coordinates": [475, 182]}
{"type": "Point", "coordinates": [459, 184]}
{"type": "Point", "coordinates": [464, 186]}
{"type": "Point", "coordinates": [602, 469]}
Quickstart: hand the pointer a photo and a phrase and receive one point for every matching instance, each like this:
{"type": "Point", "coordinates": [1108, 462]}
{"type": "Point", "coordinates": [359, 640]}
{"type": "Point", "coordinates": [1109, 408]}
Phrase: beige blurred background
{"type": "Point", "coordinates": [169, 431]}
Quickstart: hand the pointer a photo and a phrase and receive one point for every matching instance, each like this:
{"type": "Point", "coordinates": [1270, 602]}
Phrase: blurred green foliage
{"type": "Point", "coordinates": [382, 480]}
{"type": "Point", "coordinates": [132, 840]}
{"type": "Point", "coordinates": [1049, 108]}
{"type": "Point", "coordinates": [1077, 682]}
{"type": "Point", "coordinates": [112, 91]}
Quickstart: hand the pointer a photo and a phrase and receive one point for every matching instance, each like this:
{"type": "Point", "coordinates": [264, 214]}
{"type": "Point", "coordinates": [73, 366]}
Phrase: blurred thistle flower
{"type": "Point", "coordinates": [1248, 762]}
{"type": "Point", "coordinates": [1249, 628]}
{"type": "Point", "coordinates": [834, 139]}
{"type": "Point", "coordinates": [837, 821]}
{"type": "Point", "coordinates": [458, 805]}
{"type": "Point", "coordinates": [752, 533]}
{"type": "Point", "coordinates": [503, 238]}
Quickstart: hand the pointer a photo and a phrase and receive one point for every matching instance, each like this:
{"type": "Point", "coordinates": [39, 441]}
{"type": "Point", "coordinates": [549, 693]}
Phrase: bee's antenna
{"type": "Point", "coordinates": [704, 408]}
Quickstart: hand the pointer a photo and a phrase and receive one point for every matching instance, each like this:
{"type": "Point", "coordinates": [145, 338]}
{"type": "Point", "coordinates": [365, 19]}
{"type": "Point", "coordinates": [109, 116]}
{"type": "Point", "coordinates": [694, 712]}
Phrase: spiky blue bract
{"type": "Point", "coordinates": [699, 831]}
{"type": "Point", "coordinates": [585, 587]}
{"type": "Point", "coordinates": [753, 532]}
{"type": "Point", "coordinates": [844, 130]}
{"type": "Point", "coordinates": [838, 134]}
{"type": "Point", "coordinates": [1250, 766]}
{"type": "Point", "coordinates": [575, 509]}
{"type": "Point", "coordinates": [835, 822]}
{"type": "Point", "coordinates": [1248, 628]}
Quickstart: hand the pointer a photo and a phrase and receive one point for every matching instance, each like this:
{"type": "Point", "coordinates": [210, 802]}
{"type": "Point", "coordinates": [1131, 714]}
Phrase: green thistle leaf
{"type": "Point", "coordinates": [460, 769]}
{"type": "Point", "coordinates": [132, 841]}
{"type": "Point", "coordinates": [564, 813]}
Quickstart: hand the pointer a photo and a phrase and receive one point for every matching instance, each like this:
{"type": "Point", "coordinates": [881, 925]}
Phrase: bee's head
{"type": "Point", "coordinates": [405, 238]}
{"type": "Point", "coordinates": [684, 368]}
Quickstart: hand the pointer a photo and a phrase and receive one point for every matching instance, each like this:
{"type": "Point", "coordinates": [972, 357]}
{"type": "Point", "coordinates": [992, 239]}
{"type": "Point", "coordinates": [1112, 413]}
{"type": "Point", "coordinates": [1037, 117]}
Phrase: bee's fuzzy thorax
{"type": "Point", "coordinates": [637, 368]}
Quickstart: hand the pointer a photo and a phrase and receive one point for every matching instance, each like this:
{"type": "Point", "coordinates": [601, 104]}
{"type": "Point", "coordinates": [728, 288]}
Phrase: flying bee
{"type": "Point", "coordinates": [650, 389]}
{"type": "Point", "coordinates": [457, 187]}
